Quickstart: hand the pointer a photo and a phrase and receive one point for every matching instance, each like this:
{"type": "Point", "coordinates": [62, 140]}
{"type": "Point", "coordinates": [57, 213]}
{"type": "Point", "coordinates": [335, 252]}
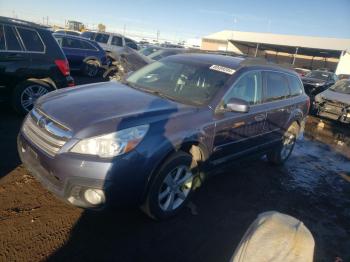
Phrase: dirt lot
{"type": "Point", "coordinates": [313, 186]}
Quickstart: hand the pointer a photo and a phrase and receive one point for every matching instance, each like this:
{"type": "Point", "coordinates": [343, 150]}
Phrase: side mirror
{"type": "Point", "coordinates": [237, 105]}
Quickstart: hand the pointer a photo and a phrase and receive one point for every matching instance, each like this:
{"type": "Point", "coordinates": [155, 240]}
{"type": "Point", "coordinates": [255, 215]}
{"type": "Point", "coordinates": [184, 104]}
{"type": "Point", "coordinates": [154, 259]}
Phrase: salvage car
{"type": "Point", "coordinates": [31, 63]}
{"type": "Point", "coordinates": [148, 50]}
{"type": "Point", "coordinates": [317, 81]}
{"type": "Point", "coordinates": [334, 103]}
{"type": "Point", "coordinates": [164, 52]}
{"type": "Point", "coordinates": [147, 141]}
{"type": "Point", "coordinates": [83, 54]}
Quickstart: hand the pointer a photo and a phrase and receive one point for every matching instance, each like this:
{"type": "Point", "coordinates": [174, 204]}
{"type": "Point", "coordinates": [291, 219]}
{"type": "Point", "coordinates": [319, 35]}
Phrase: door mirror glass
{"type": "Point", "coordinates": [237, 105]}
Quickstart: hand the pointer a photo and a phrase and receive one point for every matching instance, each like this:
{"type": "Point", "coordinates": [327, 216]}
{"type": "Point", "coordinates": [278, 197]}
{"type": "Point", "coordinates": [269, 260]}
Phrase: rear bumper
{"type": "Point", "coordinates": [67, 81]}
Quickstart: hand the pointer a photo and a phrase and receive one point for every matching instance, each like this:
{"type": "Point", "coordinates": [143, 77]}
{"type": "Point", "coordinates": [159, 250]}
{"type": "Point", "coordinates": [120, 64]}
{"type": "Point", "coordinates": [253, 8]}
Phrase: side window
{"type": "Point", "coordinates": [130, 43]}
{"type": "Point", "coordinates": [31, 40]}
{"type": "Point", "coordinates": [2, 38]}
{"type": "Point", "coordinates": [102, 38]}
{"type": "Point", "coordinates": [116, 40]}
{"type": "Point", "coordinates": [86, 45]}
{"type": "Point", "coordinates": [276, 87]}
{"type": "Point", "coordinates": [71, 43]}
{"type": "Point", "coordinates": [12, 40]}
{"type": "Point", "coordinates": [248, 88]}
{"type": "Point", "coordinates": [295, 86]}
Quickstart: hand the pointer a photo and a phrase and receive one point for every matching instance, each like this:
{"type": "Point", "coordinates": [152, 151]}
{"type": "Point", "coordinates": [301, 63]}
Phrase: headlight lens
{"type": "Point", "coordinates": [320, 84]}
{"type": "Point", "coordinates": [112, 144]}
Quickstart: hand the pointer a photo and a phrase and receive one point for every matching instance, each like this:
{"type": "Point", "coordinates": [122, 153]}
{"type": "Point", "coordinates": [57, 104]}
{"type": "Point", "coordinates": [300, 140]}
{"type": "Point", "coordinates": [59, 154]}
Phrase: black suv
{"type": "Point", "coordinates": [31, 63]}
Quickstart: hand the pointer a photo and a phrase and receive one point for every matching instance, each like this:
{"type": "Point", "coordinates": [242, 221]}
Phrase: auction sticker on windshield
{"type": "Point", "coordinates": [223, 69]}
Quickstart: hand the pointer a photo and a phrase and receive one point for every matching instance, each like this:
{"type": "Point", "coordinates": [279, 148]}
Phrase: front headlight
{"type": "Point", "coordinates": [320, 84]}
{"type": "Point", "coordinates": [112, 144]}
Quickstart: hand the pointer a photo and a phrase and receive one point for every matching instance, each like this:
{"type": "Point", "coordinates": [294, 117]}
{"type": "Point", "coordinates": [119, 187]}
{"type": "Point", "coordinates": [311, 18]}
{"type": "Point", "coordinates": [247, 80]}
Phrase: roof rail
{"type": "Point", "coordinates": [19, 21]}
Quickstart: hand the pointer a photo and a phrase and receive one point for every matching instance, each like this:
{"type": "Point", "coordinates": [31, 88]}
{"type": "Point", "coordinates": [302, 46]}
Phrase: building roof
{"type": "Point", "coordinates": [337, 44]}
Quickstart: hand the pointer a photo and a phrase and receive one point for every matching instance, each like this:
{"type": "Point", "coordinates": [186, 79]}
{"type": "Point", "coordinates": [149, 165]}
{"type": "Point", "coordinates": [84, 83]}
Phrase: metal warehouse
{"type": "Point", "coordinates": [297, 51]}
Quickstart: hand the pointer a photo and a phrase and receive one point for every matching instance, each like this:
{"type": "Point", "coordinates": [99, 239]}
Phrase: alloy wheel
{"type": "Point", "coordinates": [30, 94]}
{"type": "Point", "coordinates": [175, 188]}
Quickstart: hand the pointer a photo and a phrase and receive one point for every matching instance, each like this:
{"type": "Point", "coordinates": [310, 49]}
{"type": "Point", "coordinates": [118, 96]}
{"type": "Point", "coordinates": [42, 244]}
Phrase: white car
{"type": "Point", "coordinates": [111, 42]}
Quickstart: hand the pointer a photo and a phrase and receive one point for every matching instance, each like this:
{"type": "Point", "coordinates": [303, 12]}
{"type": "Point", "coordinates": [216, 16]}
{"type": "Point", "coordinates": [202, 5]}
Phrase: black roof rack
{"type": "Point", "coordinates": [19, 22]}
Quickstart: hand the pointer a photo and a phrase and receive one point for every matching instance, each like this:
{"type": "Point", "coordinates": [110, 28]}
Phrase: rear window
{"type": "Point", "coordinates": [31, 40]}
{"type": "Point", "coordinates": [71, 43]}
{"type": "Point", "coordinates": [88, 46]}
{"type": "Point", "coordinates": [116, 40]}
{"type": "Point", "coordinates": [276, 87]}
{"type": "Point", "coordinates": [295, 86]}
{"type": "Point", "coordinates": [12, 40]}
{"type": "Point", "coordinates": [102, 38]}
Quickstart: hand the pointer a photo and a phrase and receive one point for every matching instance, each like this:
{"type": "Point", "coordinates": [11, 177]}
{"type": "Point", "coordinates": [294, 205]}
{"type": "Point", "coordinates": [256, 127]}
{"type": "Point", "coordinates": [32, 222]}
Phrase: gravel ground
{"type": "Point", "coordinates": [313, 186]}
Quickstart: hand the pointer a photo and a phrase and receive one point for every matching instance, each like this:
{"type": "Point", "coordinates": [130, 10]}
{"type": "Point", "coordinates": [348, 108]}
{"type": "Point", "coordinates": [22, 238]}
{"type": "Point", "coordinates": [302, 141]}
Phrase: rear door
{"type": "Point", "coordinates": [238, 133]}
{"type": "Point", "coordinates": [117, 44]}
{"type": "Point", "coordinates": [14, 60]}
{"type": "Point", "coordinates": [74, 51]}
{"type": "Point", "coordinates": [278, 104]}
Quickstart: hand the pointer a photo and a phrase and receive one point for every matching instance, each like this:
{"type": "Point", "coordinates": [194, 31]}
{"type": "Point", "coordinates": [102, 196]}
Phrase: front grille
{"type": "Point", "coordinates": [45, 133]}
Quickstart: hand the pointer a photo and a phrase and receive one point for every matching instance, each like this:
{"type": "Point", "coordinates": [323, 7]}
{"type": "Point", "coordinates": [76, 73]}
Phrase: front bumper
{"type": "Point", "coordinates": [68, 177]}
{"type": "Point", "coordinates": [333, 111]}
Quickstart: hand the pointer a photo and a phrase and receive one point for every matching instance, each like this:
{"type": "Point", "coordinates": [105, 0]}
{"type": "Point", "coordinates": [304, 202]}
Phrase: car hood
{"type": "Point", "coordinates": [106, 107]}
{"type": "Point", "coordinates": [309, 80]}
{"type": "Point", "coordinates": [335, 96]}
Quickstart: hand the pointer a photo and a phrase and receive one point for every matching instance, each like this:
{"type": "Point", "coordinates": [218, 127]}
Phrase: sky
{"type": "Point", "coordinates": [181, 19]}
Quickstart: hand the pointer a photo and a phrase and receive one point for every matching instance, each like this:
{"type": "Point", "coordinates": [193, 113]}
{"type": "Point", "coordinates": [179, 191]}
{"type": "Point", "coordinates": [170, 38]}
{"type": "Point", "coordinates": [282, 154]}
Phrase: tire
{"type": "Point", "coordinates": [282, 152]}
{"type": "Point", "coordinates": [171, 188]}
{"type": "Point", "coordinates": [91, 68]}
{"type": "Point", "coordinates": [26, 93]}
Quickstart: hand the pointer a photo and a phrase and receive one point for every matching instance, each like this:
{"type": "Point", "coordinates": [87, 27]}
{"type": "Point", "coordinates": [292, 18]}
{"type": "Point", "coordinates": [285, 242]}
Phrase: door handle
{"type": "Point", "coordinates": [260, 117]}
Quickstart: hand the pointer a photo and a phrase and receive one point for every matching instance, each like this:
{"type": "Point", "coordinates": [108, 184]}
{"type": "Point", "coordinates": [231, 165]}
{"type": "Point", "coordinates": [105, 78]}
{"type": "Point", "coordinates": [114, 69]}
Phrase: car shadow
{"type": "Point", "coordinates": [10, 124]}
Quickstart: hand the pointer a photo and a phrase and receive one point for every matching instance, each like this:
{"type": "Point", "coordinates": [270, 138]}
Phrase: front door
{"type": "Point", "coordinates": [237, 133]}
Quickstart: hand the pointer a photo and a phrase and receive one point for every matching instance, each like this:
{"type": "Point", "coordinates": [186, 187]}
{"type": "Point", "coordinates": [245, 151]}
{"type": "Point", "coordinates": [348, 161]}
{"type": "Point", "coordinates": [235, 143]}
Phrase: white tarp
{"type": "Point", "coordinates": [275, 237]}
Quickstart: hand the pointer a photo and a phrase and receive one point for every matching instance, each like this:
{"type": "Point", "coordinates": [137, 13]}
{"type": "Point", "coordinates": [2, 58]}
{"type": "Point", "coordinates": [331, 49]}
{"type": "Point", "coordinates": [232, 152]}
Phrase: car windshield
{"type": "Point", "coordinates": [184, 82]}
{"type": "Point", "coordinates": [319, 75]}
{"type": "Point", "coordinates": [342, 86]}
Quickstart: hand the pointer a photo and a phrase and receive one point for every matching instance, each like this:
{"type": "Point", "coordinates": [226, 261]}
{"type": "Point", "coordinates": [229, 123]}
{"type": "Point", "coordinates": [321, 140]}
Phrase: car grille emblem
{"type": "Point", "coordinates": [41, 122]}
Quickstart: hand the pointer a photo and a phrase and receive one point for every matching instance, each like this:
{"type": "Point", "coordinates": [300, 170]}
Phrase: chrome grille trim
{"type": "Point", "coordinates": [45, 133]}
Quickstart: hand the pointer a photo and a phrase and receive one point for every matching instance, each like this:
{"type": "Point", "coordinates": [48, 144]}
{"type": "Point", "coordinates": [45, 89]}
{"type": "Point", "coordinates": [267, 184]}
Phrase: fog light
{"type": "Point", "coordinates": [94, 196]}
{"type": "Point", "coordinates": [348, 115]}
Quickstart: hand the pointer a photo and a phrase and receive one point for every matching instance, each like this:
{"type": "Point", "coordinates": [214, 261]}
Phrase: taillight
{"type": "Point", "coordinates": [63, 66]}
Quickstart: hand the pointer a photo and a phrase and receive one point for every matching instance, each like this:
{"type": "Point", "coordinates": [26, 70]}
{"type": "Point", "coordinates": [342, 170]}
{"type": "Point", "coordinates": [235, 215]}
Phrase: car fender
{"type": "Point", "coordinates": [91, 58]}
{"type": "Point", "coordinates": [296, 115]}
{"type": "Point", "coordinates": [193, 146]}
{"type": "Point", "coordinates": [44, 81]}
